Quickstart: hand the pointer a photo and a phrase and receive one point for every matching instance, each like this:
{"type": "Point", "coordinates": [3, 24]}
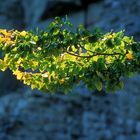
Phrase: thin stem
{"type": "Point", "coordinates": [96, 54]}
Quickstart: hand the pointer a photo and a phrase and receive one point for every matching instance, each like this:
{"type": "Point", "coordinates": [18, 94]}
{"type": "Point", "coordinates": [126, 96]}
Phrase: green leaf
{"type": "Point", "coordinates": [73, 48]}
{"type": "Point", "coordinates": [3, 66]}
{"type": "Point", "coordinates": [121, 84]}
{"type": "Point", "coordinates": [110, 43]}
{"type": "Point", "coordinates": [98, 84]}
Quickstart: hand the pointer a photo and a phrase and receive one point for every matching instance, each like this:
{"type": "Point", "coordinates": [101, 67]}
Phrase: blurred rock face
{"type": "Point", "coordinates": [11, 14]}
{"type": "Point", "coordinates": [106, 14]}
{"type": "Point", "coordinates": [30, 115]}
{"type": "Point", "coordinates": [72, 117]}
{"type": "Point", "coordinates": [33, 10]}
{"type": "Point", "coordinates": [8, 83]}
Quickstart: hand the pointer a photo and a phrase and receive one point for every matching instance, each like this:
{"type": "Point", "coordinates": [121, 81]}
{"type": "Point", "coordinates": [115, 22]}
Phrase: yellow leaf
{"type": "Point", "coordinates": [73, 48]}
{"type": "Point", "coordinates": [3, 66]}
{"type": "Point", "coordinates": [35, 64]}
{"type": "Point", "coordinates": [62, 81]}
{"type": "Point", "coordinates": [23, 33]}
{"type": "Point", "coordinates": [19, 61]}
{"type": "Point", "coordinates": [95, 58]}
{"type": "Point", "coordinates": [19, 74]}
{"type": "Point", "coordinates": [129, 56]}
{"type": "Point", "coordinates": [33, 86]}
{"type": "Point", "coordinates": [5, 34]}
{"type": "Point", "coordinates": [3, 31]}
{"type": "Point", "coordinates": [70, 57]}
{"type": "Point", "coordinates": [109, 59]}
{"type": "Point", "coordinates": [27, 82]}
{"type": "Point", "coordinates": [39, 48]}
{"type": "Point", "coordinates": [63, 65]}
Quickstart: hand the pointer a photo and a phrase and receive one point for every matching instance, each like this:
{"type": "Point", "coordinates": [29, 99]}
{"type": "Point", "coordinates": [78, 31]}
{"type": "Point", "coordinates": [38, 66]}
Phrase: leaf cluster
{"type": "Point", "coordinates": [57, 59]}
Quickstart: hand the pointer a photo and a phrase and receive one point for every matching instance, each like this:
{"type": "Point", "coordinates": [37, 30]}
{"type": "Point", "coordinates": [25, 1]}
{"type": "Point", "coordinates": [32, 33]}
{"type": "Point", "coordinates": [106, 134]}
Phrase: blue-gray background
{"type": "Point", "coordinates": [31, 115]}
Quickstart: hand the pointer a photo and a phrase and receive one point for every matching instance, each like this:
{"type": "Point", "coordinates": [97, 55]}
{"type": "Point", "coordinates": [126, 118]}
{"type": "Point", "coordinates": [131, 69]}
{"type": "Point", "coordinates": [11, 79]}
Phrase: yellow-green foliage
{"type": "Point", "coordinates": [56, 59]}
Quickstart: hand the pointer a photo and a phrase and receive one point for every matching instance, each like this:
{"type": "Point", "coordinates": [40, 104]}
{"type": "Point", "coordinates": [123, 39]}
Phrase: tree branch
{"type": "Point", "coordinates": [96, 54]}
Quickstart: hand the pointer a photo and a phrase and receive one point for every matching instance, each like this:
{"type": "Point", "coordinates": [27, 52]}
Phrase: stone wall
{"type": "Point", "coordinates": [32, 115]}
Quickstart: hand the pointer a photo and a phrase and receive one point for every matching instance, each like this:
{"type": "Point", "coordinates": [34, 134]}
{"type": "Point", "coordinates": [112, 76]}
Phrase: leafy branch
{"type": "Point", "coordinates": [57, 59]}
